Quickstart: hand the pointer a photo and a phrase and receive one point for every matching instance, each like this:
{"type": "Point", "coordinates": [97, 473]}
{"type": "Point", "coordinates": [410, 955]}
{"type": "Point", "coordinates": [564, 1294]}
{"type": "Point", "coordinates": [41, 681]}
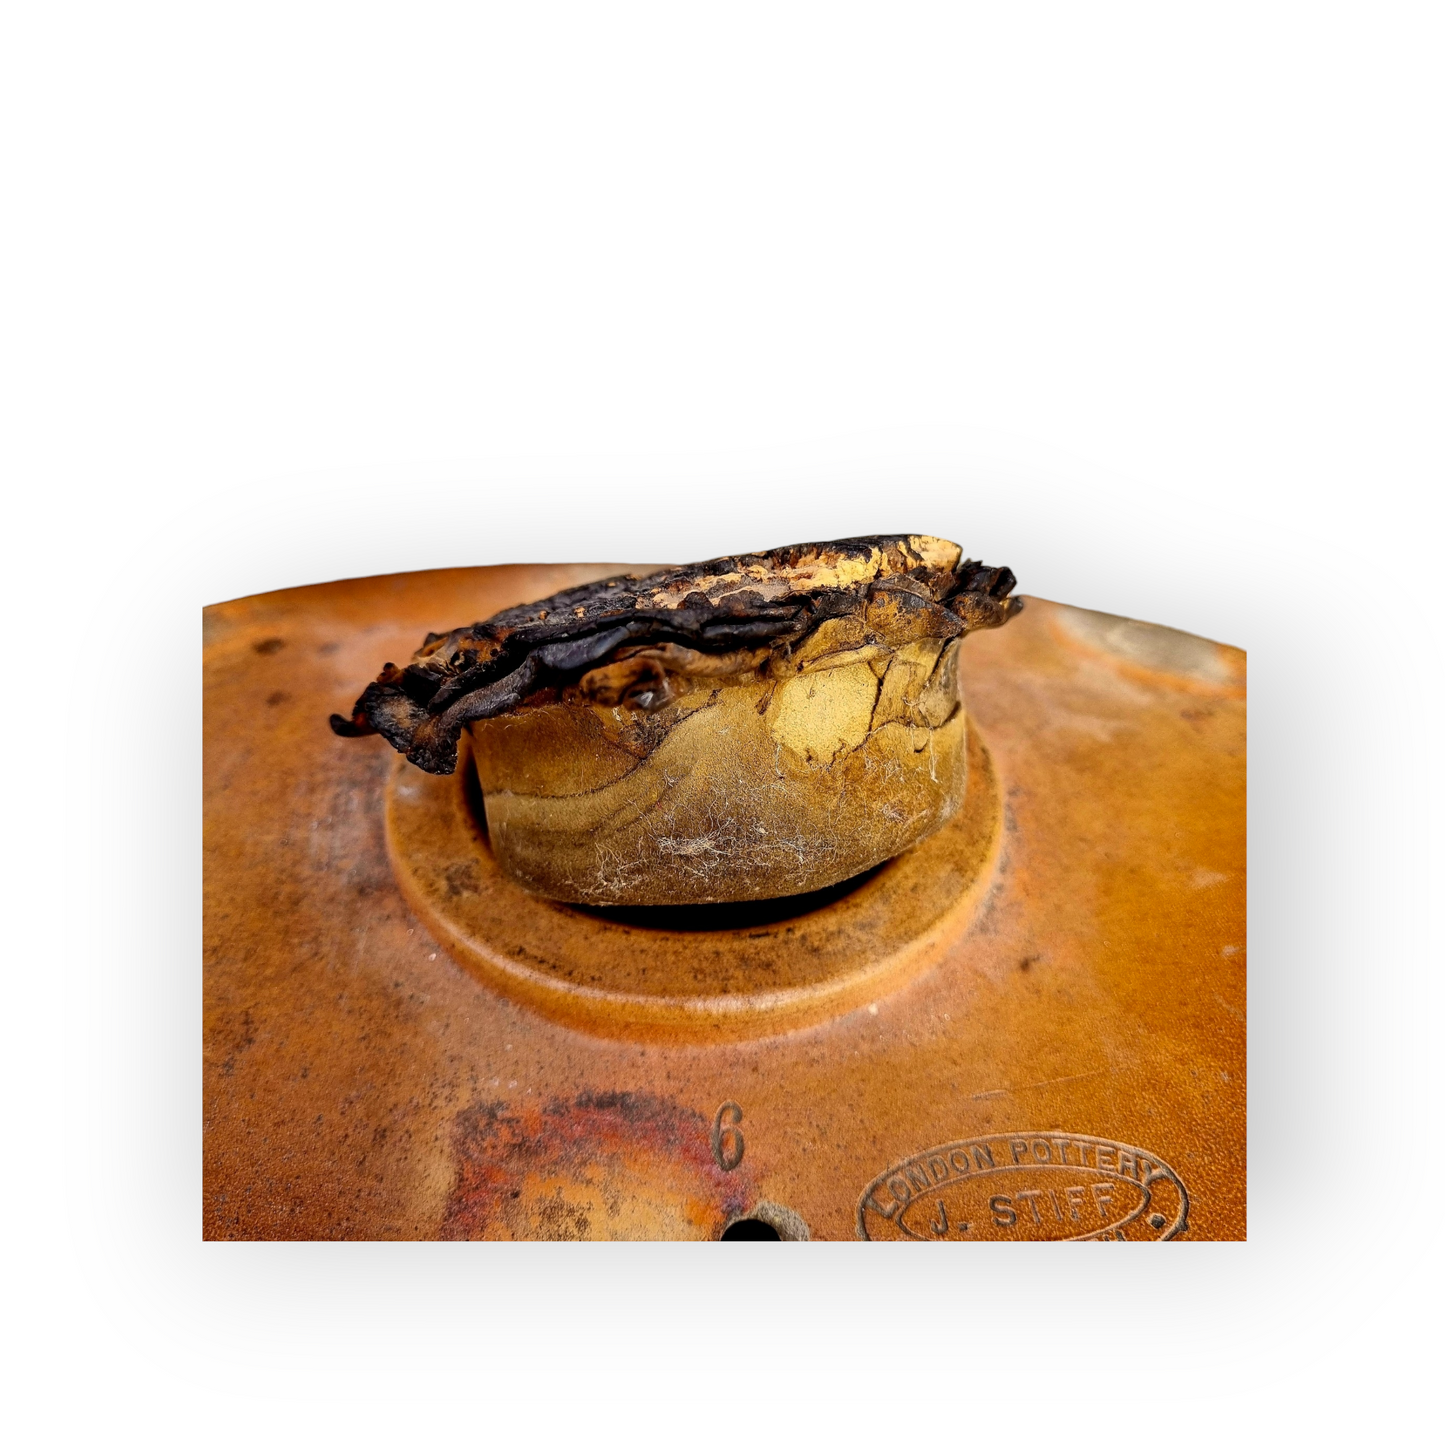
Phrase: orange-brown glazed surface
{"type": "Point", "coordinates": [1030, 1026]}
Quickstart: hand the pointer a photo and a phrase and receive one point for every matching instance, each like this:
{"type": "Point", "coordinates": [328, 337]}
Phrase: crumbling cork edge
{"type": "Point", "coordinates": [633, 641]}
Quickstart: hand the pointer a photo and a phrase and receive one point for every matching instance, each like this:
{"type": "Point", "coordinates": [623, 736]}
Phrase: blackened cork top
{"type": "Point", "coordinates": [621, 640]}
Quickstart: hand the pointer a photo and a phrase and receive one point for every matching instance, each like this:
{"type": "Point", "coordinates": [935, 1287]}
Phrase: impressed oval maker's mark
{"type": "Point", "coordinates": [1026, 1186]}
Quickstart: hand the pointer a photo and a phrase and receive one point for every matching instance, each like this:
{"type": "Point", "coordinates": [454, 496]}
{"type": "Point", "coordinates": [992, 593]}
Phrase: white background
{"type": "Point", "coordinates": [1144, 301]}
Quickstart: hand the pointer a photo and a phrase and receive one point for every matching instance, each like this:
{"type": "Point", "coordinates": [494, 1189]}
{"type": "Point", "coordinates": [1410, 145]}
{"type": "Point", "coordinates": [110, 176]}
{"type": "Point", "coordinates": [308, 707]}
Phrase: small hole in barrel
{"type": "Point", "coordinates": [750, 1229]}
